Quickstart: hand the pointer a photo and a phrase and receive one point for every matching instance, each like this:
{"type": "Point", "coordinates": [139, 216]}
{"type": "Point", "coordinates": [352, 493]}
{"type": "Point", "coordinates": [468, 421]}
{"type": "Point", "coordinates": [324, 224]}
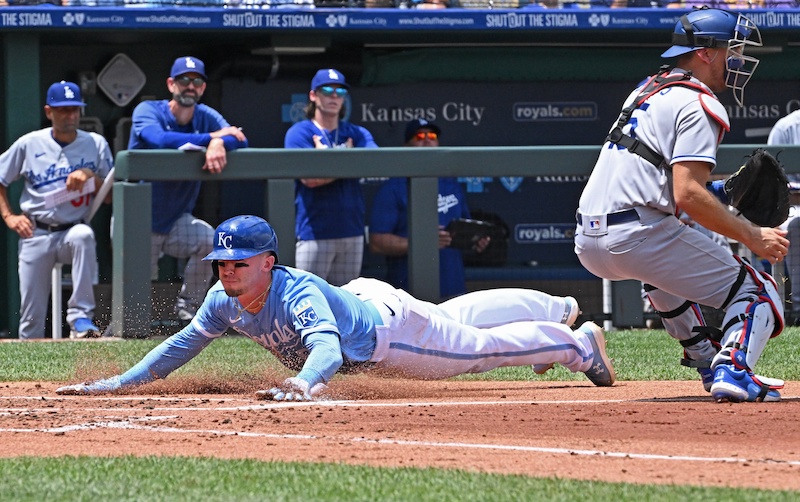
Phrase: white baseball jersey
{"type": "Point", "coordinates": [689, 126]}
{"type": "Point", "coordinates": [786, 131]}
{"type": "Point", "coordinates": [45, 165]}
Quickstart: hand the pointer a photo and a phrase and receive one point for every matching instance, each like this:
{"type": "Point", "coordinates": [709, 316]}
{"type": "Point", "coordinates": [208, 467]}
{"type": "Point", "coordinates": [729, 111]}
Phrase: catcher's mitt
{"type": "Point", "coordinates": [760, 190]}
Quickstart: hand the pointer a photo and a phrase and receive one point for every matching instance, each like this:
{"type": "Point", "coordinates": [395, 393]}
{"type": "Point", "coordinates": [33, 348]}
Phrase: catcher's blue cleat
{"type": "Point", "coordinates": [707, 376]}
{"type": "Point", "coordinates": [738, 386]}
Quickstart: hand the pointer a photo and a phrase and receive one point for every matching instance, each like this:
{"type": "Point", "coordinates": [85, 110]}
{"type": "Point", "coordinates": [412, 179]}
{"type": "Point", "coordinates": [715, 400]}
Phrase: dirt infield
{"type": "Point", "coordinates": [636, 432]}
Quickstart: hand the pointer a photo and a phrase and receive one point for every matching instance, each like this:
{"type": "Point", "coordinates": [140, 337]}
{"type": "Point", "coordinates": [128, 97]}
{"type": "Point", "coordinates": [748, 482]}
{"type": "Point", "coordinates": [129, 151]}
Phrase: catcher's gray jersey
{"type": "Point", "coordinates": [45, 165]}
{"type": "Point", "coordinates": [689, 126]}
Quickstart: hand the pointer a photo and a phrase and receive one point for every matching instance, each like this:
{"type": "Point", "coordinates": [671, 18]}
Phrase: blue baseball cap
{"type": "Point", "coordinates": [188, 64]}
{"type": "Point", "coordinates": [64, 94]}
{"type": "Point", "coordinates": [328, 76]}
{"type": "Point", "coordinates": [415, 125]}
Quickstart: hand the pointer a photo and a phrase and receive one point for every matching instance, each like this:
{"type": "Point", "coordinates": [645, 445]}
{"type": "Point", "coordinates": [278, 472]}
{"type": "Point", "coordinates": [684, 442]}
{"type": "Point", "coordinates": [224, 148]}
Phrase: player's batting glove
{"type": "Point", "coordinates": [87, 388]}
{"type": "Point", "coordinates": [293, 389]}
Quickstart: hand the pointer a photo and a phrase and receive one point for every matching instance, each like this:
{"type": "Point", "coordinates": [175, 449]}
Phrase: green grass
{"type": "Point", "coordinates": [638, 355]}
{"type": "Point", "coordinates": [205, 479]}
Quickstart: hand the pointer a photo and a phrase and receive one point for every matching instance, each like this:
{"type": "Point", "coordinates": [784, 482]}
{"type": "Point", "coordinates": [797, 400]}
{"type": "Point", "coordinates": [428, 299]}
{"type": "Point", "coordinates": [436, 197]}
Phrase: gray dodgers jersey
{"type": "Point", "coordinates": [679, 123]}
{"type": "Point", "coordinates": [45, 165]}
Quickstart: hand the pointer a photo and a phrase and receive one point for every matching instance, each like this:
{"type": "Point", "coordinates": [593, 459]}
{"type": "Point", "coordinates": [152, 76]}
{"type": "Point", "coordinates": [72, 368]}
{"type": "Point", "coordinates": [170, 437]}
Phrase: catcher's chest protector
{"type": "Point", "coordinates": [657, 83]}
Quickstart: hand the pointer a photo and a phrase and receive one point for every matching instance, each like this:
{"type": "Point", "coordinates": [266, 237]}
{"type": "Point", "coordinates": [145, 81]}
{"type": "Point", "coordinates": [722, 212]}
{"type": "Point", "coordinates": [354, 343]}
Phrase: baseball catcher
{"type": "Point", "coordinates": [655, 164]}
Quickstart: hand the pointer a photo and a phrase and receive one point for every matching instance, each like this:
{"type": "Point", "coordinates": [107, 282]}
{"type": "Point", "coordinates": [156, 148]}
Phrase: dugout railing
{"type": "Point", "coordinates": [131, 288]}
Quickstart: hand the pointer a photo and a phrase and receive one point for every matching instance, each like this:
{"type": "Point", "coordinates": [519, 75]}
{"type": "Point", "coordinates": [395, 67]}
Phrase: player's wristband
{"type": "Point", "coordinates": [718, 189]}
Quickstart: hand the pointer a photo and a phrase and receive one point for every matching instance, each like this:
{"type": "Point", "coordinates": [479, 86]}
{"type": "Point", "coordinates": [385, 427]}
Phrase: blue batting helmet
{"type": "Point", "coordinates": [243, 237]}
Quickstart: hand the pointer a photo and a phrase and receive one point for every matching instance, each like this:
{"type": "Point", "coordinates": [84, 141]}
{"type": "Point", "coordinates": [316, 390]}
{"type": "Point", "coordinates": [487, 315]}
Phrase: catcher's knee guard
{"type": "Point", "coordinates": [751, 320]}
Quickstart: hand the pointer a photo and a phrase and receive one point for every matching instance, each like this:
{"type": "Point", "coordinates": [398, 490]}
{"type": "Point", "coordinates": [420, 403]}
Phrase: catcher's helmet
{"type": "Point", "coordinates": [716, 28]}
{"type": "Point", "coordinates": [242, 237]}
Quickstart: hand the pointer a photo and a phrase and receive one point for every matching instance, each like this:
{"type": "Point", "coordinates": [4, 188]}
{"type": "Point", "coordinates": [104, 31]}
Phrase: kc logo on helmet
{"type": "Point", "coordinates": [224, 240]}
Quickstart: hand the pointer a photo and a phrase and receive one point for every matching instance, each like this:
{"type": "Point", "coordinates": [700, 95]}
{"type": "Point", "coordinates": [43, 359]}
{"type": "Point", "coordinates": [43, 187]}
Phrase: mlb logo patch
{"type": "Point", "coordinates": [594, 224]}
{"type": "Point", "coordinates": [305, 313]}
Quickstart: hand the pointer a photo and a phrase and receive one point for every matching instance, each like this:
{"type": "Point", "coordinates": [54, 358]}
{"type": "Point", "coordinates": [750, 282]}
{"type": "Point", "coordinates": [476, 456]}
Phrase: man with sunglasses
{"type": "Point", "coordinates": [330, 211]}
{"type": "Point", "coordinates": [388, 222]}
{"type": "Point", "coordinates": [656, 162]}
{"type": "Point", "coordinates": [185, 124]}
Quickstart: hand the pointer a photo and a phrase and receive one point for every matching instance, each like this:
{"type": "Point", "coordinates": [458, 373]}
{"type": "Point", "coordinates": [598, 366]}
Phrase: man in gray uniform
{"type": "Point", "coordinates": [655, 162]}
{"type": "Point", "coordinates": [52, 228]}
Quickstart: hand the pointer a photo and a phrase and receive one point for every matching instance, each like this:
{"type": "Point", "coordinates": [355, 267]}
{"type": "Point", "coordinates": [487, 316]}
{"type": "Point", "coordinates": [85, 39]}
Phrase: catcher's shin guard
{"type": "Point", "coordinates": [750, 321]}
{"type": "Point", "coordinates": [684, 321]}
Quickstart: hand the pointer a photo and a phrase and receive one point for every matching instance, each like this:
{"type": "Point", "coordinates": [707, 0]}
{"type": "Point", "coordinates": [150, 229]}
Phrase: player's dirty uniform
{"type": "Point", "coordinates": [318, 329]}
{"type": "Point", "coordinates": [628, 229]}
{"type": "Point", "coordinates": [59, 232]}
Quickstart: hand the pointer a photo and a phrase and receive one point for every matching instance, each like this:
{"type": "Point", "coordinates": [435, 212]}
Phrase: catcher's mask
{"type": "Point", "coordinates": [716, 28]}
{"type": "Point", "coordinates": [242, 237]}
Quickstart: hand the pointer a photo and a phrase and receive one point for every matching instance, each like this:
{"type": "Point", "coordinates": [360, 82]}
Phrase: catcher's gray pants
{"type": "Point", "coordinates": [37, 255]}
{"type": "Point", "coordinates": [190, 238]}
{"type": "Point", "coordinates": [681, 262]}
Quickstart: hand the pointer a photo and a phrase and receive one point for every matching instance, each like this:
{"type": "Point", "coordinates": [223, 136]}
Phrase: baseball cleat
{"type": "Point", "coordinates": [571, 313]}
{"type": "Point", "coordinates": [707, 377]}
{"type": "Point", "coordinates": [736, 386]}
{"type": "Point", "coordinates": [78, 389]}
{"type": "Point", "coordinates": [601, 373]}
{"type": "Point", "coordinates": [84, 328]}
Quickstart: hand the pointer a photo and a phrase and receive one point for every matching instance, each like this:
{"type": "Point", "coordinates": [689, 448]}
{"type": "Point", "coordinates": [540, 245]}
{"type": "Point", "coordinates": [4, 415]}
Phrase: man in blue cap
{"type": "Point", "coordinates": [330, 211]}
{"type": "Point", "coordinates": [185, 124]}
{"type": "Point", "coordinates": [58, 159]}
{"type": "Point", "coordinates": [388, 223]}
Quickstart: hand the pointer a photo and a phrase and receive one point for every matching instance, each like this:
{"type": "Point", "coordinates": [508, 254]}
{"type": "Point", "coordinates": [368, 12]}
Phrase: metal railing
{"type": "Point", "coordinates": [131, 288]}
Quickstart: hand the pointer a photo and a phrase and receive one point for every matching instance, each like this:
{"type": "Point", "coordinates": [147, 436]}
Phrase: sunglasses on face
{"type": "Point", "coordinates": [420, 136]}
{"type": "Point", "coordinates": [185, 81]}
{"type": "Point", "coordinates": [328, 91]}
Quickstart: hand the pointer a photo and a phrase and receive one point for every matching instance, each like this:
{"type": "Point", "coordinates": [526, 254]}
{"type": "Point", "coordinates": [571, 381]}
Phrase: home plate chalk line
{"type": "Point", "coordinates": [144, 424]}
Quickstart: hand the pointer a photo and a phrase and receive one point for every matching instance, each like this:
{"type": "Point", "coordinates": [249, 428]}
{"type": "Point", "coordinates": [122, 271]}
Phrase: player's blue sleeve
{"type": "Point", "coordinates": [387, 209]}
{"type": "Point", "coordinates": [168, 356]}
{"type": "Point", "coordinates": [324, 358]}
{"type": "Point", "coordinates": [718, 189]}
{"type": "Point", "coordinates": [298, 137]}
{"type": "Point", "coordinates": [366, 140]}
{"type": "Point", "coordinates": [149, 126]}
{"type": "Point", "coordinates": [231, 143]}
